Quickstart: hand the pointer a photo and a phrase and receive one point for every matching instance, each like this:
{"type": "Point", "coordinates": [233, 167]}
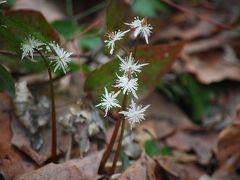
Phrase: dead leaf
{"type": "Point", "coordinates": [204, 144]}
{"type": "Point", "coordinates": [22, 141]}
{"type": "Point", "coordinates": [78, 169]}
{"type": "Point", "coordinates": [11, 163]}
{"type": "Point", "coordinates": [143, 169]}
{"type": "Point", "coordinates": [181, 171]}
{"type": "Point", "coordinates": [211, 66]}
{"type": "Point", "coordinates": [164, 110]}
{"type": "Point", "coordinates": [228, 147]}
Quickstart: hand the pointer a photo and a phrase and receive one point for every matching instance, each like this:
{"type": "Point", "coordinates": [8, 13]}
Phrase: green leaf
{"type": "Point", "coordinates": [159, 57]}
{"type": "Point", "coordinates": [148, 7]}
{"type": "Point", "coordinates": [6, 81]}
{"type": "Point", "coordinates": [19, 24]}
{"type": "Point", "coordinates": [165, 151]}
{"type": "Point", "coordinates": [90, 41]}
{"type": "Point", "coordinates": [67, 28]}
{"type": "Point", "coordinates": [150, 147]}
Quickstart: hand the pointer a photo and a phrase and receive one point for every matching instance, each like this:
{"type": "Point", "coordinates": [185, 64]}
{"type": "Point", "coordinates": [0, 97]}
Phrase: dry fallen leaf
{"type": "Point", "coordinates": [203, 143]}
{"type": "Point", "coordinates": [211, 66]}
{"type": "Point", "coordinates": [22, 141]}
{"type": "Point", "coordinates": [143, 169]}
{"type": "Point", "coordinates": [11, 163]}
{"type": "Point", "coordinates": [78, 169]}
{"type": "Point", "coordinates": [228, 147]}
{"type": "Point", "coordinates": [187, 171]}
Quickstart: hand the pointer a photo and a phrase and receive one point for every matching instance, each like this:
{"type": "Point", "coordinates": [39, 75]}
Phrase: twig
{"type": "Point", "coordinates": [192, 13]}
{"type": "Point", "coordinates": [9, 53]}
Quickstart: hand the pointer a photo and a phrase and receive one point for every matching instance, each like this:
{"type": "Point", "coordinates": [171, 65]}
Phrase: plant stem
{"type": "Point", "coordinates": [53, 113]}
{"type": "Point", "coordinates": [108, 151]}
{"type": "Point", "coordinates": [117, 154]}
{"type": "Point", "coordinates": [54, 122]}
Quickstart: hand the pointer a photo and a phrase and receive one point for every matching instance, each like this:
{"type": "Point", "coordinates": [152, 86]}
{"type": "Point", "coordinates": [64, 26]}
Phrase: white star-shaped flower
{"type": "Point", "coordinates": [109, 101]}
{"type": "Point", "coordinates": [29, 45]}
{"type": "Point", "coordinates": [1, 2]}
{"type": "Point", "coordinates": [128, 65]}
{"type": "Point", "coordinates": [141, 27]}
{"type": "Point", "coordinates": [127, 84]}
{"type": "Point", "coordinates": [60, 58]}
{"type": "Point", "coordinates": [134, 113]}
{"type": "Point", "coordinates": [113, 37]}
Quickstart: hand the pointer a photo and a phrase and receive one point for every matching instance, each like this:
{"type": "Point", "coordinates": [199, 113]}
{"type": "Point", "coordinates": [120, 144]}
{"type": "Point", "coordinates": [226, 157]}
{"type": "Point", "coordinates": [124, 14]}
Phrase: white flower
{"type": "Point", "coordinates": [1, 2]}
{"type": "Point", "coordinates": [128, 65]}
{"type": "Point", "coordinates": [127, 84]}
{"type": "Point", "coordinates": [134, 114]}
{"type": "Point", "coordinates": [141, 27]}
{"type": "Point", "coordinates": [29, 45]}
{"type": "Point", "coordinates": [59, 58]}
{"type": "Point", "coordinates": [113, 37]}
{"type": "Point", "coordinates": [109, 101]}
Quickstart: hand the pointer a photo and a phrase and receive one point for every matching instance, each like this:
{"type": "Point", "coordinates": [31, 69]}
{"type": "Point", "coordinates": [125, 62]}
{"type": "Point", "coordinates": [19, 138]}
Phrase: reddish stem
{"type": "Point", "coordinates": [108, 151]}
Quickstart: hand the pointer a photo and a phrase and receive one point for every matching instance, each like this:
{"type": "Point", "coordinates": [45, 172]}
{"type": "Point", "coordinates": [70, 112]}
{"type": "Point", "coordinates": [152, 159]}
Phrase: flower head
{"type": "Point", "coordinates": [109, 100]}
{"type": "Point", "coordinates": [127, 84]}
{"type": "Point", "coordinates": [113, 37]}
{"type": "Point", "coordinates": [59, 58]}
{"type": "Point", "coordinates": [134, 113]}
{"type": "Point", "coordinates": [29, 45]}
{"type": "Point", "coordinates": [141, 27]}
{"type": "Point", "coordinates": [1, 2]}
{"type": "Point", "coordinates": [128, 65]}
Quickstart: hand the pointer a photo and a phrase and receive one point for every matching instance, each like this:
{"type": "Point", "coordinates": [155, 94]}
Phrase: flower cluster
{"type": "Point", "coordinates": [58, 57]}
{"type": "Point", "coordinates": [141, 28]}
{"type": "Point", "coordinates": [127, 82]}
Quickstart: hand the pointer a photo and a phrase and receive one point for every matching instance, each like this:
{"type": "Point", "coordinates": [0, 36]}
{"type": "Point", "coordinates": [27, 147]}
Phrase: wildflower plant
{"type": "Point", "coordinates": [126, 84]}
{"type": "Point", "coordinates": [54, 57]}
